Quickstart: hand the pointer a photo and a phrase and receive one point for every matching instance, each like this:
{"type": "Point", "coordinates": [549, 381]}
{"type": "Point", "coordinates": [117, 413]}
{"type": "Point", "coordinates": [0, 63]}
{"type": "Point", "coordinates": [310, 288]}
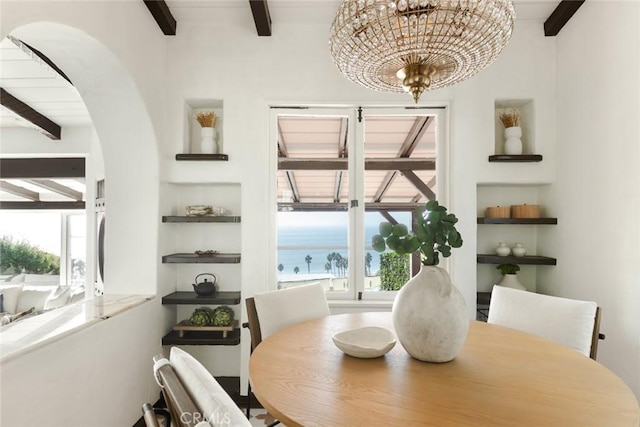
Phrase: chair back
{"type": "Point", "coordinates": [192, 395]}
{"type": "Point", "coordinates": [573, 323]}
{"type": "Point", "coordinates": [269, 312]}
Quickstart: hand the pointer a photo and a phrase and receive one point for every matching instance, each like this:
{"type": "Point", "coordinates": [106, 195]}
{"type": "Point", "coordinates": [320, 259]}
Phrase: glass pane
{"type": "Point", "coordinates": [312, 247]}
{"type": "Point", "coordinates": [400, 160]}
{"type": "Point", "coordinates": [76, 250]}
{"type": "Point", "coordinates": [312, 193]}
{"type": "Point", "coordinates": [384, 271]}
{"type": "Point", "coordinates": [35, 240]}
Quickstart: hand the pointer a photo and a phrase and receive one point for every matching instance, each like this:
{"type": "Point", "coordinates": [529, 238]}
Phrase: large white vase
{"type": "Point", "coordinates": [511, 281]}
{"type": "Point", "coordinates": [430, 316]}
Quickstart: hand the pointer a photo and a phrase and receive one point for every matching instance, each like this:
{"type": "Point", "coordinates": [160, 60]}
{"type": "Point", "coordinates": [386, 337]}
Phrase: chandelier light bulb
{"type": "Point", "coordinates": [418, 45]}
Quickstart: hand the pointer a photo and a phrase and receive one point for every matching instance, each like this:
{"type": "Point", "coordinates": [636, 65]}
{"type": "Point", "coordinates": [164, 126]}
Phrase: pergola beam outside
{"type": "Point", "coordinates": [19, 191]}
{"type": "Point", "coordinates": [57, 188]}
{"type": "Point", "coordinates": [400, 164]}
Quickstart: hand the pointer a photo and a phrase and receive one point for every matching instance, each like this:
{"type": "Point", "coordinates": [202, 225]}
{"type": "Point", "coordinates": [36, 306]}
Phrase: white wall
{"type": "Point", "coordinates": [597, 192]}
{"type": "Point", "coordinates": [99, 376]}
{"type": "Point", "coordinates": [114, 54]}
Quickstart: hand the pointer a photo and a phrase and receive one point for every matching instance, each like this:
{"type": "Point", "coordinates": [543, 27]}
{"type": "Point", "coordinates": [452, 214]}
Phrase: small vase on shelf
{"type": "Point", "coordinates": [503, 250]}
{"type": "Point", "coordinates": [512, 141]}
{"type": "Point", "coordinates": [207, 121]}
{"type": "Point", "coordinates": [519, 250]}
{"type": "Point", "coordinates": [208, 144]}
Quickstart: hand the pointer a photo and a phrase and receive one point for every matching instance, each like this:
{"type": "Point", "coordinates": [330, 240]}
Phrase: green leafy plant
{"type": "Point", "coordinates": [508, 268]}
{"type": "Point", "coordinates": [434, 234]}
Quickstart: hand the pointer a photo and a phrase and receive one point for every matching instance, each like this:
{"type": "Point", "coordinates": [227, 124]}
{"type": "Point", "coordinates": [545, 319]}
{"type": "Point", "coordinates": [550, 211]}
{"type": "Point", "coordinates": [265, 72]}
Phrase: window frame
{"type": "Point", "coordinates": [356, 215]}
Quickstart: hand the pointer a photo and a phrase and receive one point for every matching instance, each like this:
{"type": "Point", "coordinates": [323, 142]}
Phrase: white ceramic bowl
{"type": "Point", "coordinates": [366, 342]}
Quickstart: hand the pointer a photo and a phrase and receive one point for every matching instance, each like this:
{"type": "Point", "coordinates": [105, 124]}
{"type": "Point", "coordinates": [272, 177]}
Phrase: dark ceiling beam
{"type": "Point", "coordinates": [560, 16]}
{"type": "Point", "coordinates": [261, 16]}
{"type": "Point", "coordinates": [29, 49]}
{"type": "Point", "coordinates": [43, 123]}
{"type": "Point", "coordinates": [42, 168]}
{"type": "Point", "coordinates": [161, 13]}
{"type": "Point", "coordinates": [53, 186]}
{"type": "Point", "coordinates": [19, 191]}
{"type": "Point", "coordinates": [41, 205]}
{"type": "Point", "coordinates": [369, 164]}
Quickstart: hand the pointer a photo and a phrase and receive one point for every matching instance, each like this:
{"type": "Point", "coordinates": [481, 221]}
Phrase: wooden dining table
{"type": "Point", "coordinates": [501, 377]}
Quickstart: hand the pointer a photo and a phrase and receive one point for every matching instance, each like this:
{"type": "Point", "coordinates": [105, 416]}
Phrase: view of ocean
{"type": "Point", "coordinates": [295, 243]}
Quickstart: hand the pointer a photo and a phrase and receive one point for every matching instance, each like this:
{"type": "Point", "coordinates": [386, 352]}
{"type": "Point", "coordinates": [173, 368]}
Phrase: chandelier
{"type": "Point", "coordinates": [416, 45]}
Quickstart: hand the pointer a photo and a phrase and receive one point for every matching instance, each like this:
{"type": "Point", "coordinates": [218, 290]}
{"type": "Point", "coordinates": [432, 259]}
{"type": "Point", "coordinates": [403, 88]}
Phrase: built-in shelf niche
{"type": "Point", "coordinates": [527, 122]}
{"type": "Point", "coordinates": [531, 232]}
{"type": "Point", "coordinates": [192, 128]}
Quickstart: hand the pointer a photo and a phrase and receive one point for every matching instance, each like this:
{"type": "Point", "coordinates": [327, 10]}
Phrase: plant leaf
{"type": "Point", "coordinates": [385, 229]}
{"type": "Point", "coordinates": [400, 230]}
{"type": "Point", "coordinates": [377, 243]}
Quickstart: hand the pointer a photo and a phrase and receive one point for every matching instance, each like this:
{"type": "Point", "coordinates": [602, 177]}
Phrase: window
{"type": "Point", "coordinates": [61, 234]}
{"type": "Point", "coordinates": [340, 172]}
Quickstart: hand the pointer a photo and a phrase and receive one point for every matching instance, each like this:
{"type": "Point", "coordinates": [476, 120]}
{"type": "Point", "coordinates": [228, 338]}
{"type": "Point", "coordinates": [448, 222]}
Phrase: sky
{"type": "Point", "coordinates": [41, 228]}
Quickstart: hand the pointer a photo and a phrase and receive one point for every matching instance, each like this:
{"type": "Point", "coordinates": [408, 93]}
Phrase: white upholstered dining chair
{"type": "Point", "coordinates": [192, 395]}
{"type": "Point", "coordinates": [269, 312]}
{"type": "Point", "coordinates": [572, 323]}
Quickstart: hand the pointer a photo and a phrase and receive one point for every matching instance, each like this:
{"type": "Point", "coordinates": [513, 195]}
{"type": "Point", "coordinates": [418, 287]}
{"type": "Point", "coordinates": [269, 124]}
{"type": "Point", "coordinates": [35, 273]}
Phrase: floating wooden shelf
{"type": "Point", "coordinates": [191, 298]}
{"type": "Point", "coordinates": [203, 157]}
{"type": "Point", "coordinates": [516, 158]}
{"type": "Point", "coordinates": [184, 218]}
{"type": "Point", "coordinates": [201, 338]}
{"type": "Point", "coordinates": [524, 221]}
{"type": "Point", "coordinates": [191, 258]}
{"type": "Point", "coordinates": [528, 259]}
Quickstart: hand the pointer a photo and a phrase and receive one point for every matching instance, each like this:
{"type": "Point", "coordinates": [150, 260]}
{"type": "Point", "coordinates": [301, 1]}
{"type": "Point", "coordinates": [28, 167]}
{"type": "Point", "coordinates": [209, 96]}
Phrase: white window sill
{"type": "Point", "coordinates": [361, 304]}
{"type": "Point", "coordinates": [33, 332]}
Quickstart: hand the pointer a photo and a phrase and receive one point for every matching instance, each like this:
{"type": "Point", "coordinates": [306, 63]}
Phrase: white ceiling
{"type": "Point", "coordinates": [31, 80]}
{"type": "Point", "coordinates": [28, 78]}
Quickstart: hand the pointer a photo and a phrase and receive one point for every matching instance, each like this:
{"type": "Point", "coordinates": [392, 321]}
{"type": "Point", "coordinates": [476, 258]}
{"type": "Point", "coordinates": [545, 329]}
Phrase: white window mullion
{"type": "Point", "coordinates": [356, 208]}
{"type": "Point", "coordinates": [64, 250]}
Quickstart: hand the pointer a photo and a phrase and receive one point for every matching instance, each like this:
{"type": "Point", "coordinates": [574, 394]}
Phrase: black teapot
{"type": "Point", "coordinates": [205, 288]}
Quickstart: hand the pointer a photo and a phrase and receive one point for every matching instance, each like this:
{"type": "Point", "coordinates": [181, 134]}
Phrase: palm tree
{"type": "Point", "coordinates": [367, 264]}
{"type": "Point", "coordinates": [331, 257]}
{"type": "Point", "coordinates": [280, 268]}
{"type": "Point", "coordinates": [296, 269]}
{"type": "Point", "coordinates": [308, 259]}
{"type": "Point", "coordinates": [338, 260]}
{"type": "Point", "coordinates": [327, 267]}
